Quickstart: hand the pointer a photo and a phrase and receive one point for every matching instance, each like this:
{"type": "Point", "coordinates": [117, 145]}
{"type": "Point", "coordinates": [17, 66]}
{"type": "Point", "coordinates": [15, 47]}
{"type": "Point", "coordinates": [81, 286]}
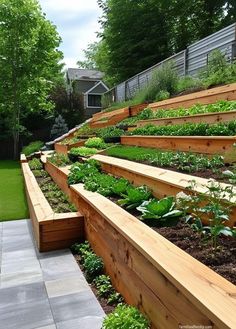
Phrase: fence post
{"type": "Point", "coordinates": [185, 62]}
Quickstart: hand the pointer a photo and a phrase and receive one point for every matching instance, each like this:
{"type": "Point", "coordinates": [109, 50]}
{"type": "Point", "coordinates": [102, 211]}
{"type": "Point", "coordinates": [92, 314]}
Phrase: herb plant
{"type": "Point", "coordinates": [82, 151]}
{"type": "Point", "coordinates": [125, 317]}
{"type": "Point", "coordinates": [96, 142]}
{"type": "Point", "coordinates": [59, 160]}
{"type": "Point", "coordinates": [35, 164]}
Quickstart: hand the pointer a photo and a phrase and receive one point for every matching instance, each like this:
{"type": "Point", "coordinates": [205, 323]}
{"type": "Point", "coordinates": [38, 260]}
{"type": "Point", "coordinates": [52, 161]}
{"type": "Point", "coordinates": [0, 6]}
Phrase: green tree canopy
{"type": "Point", "coordinates": [29, 62]}
{"type": "Point", "coordinates": [138, 34]}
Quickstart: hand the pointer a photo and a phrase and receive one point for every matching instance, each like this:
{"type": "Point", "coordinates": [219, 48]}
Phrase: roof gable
{"type": "Point", "coordinates": [84, 74]}
{"type": "Point", "coordinates": [95, 89]}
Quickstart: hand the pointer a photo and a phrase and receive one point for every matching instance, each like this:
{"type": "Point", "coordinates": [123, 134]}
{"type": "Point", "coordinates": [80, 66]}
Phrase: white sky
{"type": "Point", "coordinates": [77, 24]}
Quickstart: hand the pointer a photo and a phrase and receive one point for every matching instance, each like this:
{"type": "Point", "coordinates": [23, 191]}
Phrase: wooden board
{"type": "Point", "coordinates": [210, 118]}
{"type": "Point", "coordinates": [108, 115]}
{"type": "Point", "coordinates": [162, 182]}
{"type": "Point", "coordinates": [64, 149]}
{"type": "Point", "coordinates": [167, 284]}
{"type": "Point", "coordinates": [226, 92]}
{"type": "Point", "coordinates": [51, 230]}
{"type": "Point", "coordinates": [136, 109]}
{"type": "Point", "coordinates": [198, 144]}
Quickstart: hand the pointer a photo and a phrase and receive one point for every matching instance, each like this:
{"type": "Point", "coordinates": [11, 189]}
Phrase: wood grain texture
{"type": "Point", "coordinates": [169, 285]}
{"type": "Point", "coordinates": [198, 144]}
{"type": "Point", "coordinates": [51, 230]}
{"type": "Point", "coordinates": [162, 182]}
{"type": "Point", "coordinates": [226, 92]}
{"type": "Point", "coordinates": [64, 149]}
{"type": "Point", "coordinates": [210, 118]}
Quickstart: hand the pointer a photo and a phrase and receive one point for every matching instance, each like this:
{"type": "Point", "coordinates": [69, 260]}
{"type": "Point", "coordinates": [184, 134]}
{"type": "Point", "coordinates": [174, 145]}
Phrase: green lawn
{"type": "Point", "coordinates": [13, 204]}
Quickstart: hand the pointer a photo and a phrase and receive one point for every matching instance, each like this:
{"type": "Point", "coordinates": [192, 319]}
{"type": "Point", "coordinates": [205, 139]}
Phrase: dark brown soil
{"type": "Point", "coordinates": [60, 202]}
{"type": "Point", "coordinates": [206, 173]}
{"type": "Point", "coordinates": [222, 259]}
{"type": "Point", "coordinates": [103, 302]}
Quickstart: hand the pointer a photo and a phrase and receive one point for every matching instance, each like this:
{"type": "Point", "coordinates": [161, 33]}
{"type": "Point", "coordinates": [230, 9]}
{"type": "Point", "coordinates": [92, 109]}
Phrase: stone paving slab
{"type": "Point", "coordinates": [42, 290]}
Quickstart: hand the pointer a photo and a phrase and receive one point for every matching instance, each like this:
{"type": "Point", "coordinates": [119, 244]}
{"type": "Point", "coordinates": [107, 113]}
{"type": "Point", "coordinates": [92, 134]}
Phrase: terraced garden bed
{"type": "Point", "coordinates": [52, 230]}
{"type": "Point", "coordinates": [223, 145]}
{"type": "Point", "coordinates": [196, 164]}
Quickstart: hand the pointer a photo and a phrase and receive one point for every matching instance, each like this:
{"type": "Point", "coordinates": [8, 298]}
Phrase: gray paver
{"type": "Point", "coordinates": [42, 290]}
{"type": "Point", "coordinates": [87, 322]}
{"type": "Point", "coordinates": [75, 306]}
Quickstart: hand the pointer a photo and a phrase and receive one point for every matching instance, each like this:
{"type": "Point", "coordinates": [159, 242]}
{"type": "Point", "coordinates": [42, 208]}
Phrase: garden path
{"type": "Point", "coordinates": [42, 290]}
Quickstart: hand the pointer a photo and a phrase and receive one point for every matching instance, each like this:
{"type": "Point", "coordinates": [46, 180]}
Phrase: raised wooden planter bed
{"type": "Point", "coordinates": [136, 109]}
{"type": "Point", "coordinates": [108, 115]}
{"type": "Point", "coordinates": [210, 118]}
{"type": "Point", "coordinates": [51, 230]}
{"type": "Point", "coordinates": [162, 182]}
{"type": "Point", "coordinates": [170, 286]}
{"type": "Point", "coordinates": [65, 148]}
{"type": "Point", "coordinates": [227, 92]}
{"type": "Point", "coordinates": [198, 144]}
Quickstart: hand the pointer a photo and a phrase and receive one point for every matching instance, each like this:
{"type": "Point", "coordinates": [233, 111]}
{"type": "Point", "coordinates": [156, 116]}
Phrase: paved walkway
{"type": "Point", "coordinates": [42, 290]}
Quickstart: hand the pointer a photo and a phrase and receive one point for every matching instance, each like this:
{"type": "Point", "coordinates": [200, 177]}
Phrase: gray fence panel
{"type": "Point", "coordinates": [186, 62]}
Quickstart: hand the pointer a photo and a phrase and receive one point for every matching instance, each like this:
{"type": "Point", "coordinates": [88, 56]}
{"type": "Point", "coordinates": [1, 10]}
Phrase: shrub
{"type": "Point", "coordinates": [164, 82]}
{"type": "Point", "coordinates": [188, 83]}
{"type": "Point", "coordinates": [218, 71]}
{"type": "Point", "coordinates": [32, 147]}
{"type": "Point", "coordinates": [35, 164]}
{"type": "Point", "coordinates": [125, 317]}
{"type": "Point", "coordinates": [95, 142]}
{"type": "Point", "coordinates": [59, 128]}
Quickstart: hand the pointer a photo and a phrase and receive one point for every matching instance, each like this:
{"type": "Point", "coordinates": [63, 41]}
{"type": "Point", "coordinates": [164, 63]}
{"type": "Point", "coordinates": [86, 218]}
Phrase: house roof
{"type": "Point", "coordinates": [95, 86]}
{"type": "Point", "coordinates": [84, 74]}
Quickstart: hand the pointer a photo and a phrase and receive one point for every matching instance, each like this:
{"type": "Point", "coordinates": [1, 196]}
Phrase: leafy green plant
{"type": "Point", "coordinates": [69, 141]}
{"type": "Point", "coordinates": [110, 132]}
{"type": "Point", "coordinates": [188, 129]}
{"type": "Point", "coordinates": [134, 196]}
{"type": "Point", "coordinates": [218, 71]}
{"type": "Point", "coordinates": [96, 142]}
{"type": "Point", "coordinates": [93, 265]}
{"type": "Point", "coordinates": [145, 114]}
{"type": "Point", "coordinates": [120, 186]}
{"type": "Point", "coordinates": [103, 284]}
{"type": "Point", "coordinates": [32, 148]}
{"type": "Point", "coordinates": [79, 172]}
{"type": "Point", "coordinates": [40, 173]}
{"type": "Point", "coordinates": [179, 160]}
{"type": "Point", "coordinates": [35, 164]}
{"type": "Point", "coordinates": [160, 212]}
{"type": "Point", "coordinates": [208, 205]}
{"type": "Point", "coordinates": [59, 160]}
{"type": "Point", "coordinates": [82, 151]}
{"type": "Point", "coordinates": [125, 317]}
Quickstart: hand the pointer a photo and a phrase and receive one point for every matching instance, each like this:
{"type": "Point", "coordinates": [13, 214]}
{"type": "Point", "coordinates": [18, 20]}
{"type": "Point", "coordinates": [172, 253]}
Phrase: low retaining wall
{"type": "Point", "coordinates": [64, 149]}
{"type": "Point", "coordinates": [170, 286]}
{"type": "Point", "coordinates": [162, 182]}
{"type": "Point", "coordinates": [199, 144]}
{"type": "Point", "coordinates": [227, 92]}
{"type": "Point", "coordinates": [51, 230]}
{"type": "Point", "coordinates": [210, 118]}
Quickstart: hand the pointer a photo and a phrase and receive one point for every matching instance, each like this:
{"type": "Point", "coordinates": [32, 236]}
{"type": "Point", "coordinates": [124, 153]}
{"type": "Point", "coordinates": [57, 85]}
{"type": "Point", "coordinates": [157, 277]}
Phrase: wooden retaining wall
{"type": "Point", "coordinates": [162, 182]}
{"type": "Point", "coordinates": [226, 92]}
{"type": "Point", "coordinates": [199, 144]}
{"type": "Point", "coordinates": [171, 287]}
{"type": "Point", "coordinates": [210, 118]}
{"type": "Point", "coordinates": [65, 148]}
{"type": "Point", "coordinates": [52, 231]}
{"type": "Point", "coordinates": [59, 176]}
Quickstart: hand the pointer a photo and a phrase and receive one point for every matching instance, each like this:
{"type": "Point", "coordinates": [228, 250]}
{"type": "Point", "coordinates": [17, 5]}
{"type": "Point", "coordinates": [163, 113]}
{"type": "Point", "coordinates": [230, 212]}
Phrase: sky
{"type": "Point", "coordinates": [77, 24]}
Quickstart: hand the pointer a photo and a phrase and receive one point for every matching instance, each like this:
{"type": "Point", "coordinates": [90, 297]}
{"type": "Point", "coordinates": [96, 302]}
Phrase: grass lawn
{"type": "Point", "coordinates": [13, 204]}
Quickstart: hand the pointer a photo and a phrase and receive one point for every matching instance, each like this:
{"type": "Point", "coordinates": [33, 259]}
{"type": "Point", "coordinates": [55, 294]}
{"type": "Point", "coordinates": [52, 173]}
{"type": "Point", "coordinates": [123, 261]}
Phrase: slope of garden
{"type": "Point", "coordinates": [143, 201]}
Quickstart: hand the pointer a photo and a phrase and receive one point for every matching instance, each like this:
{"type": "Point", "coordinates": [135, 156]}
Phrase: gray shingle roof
{"type": "Point", "coordinates": [77, 74]}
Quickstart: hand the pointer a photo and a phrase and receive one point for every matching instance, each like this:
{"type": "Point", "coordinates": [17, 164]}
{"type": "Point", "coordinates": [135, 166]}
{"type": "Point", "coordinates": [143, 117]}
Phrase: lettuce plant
{"type": "Point", "coordinates": [134, 197]}
{"type": "Point", "coordinates": [160, 212]}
